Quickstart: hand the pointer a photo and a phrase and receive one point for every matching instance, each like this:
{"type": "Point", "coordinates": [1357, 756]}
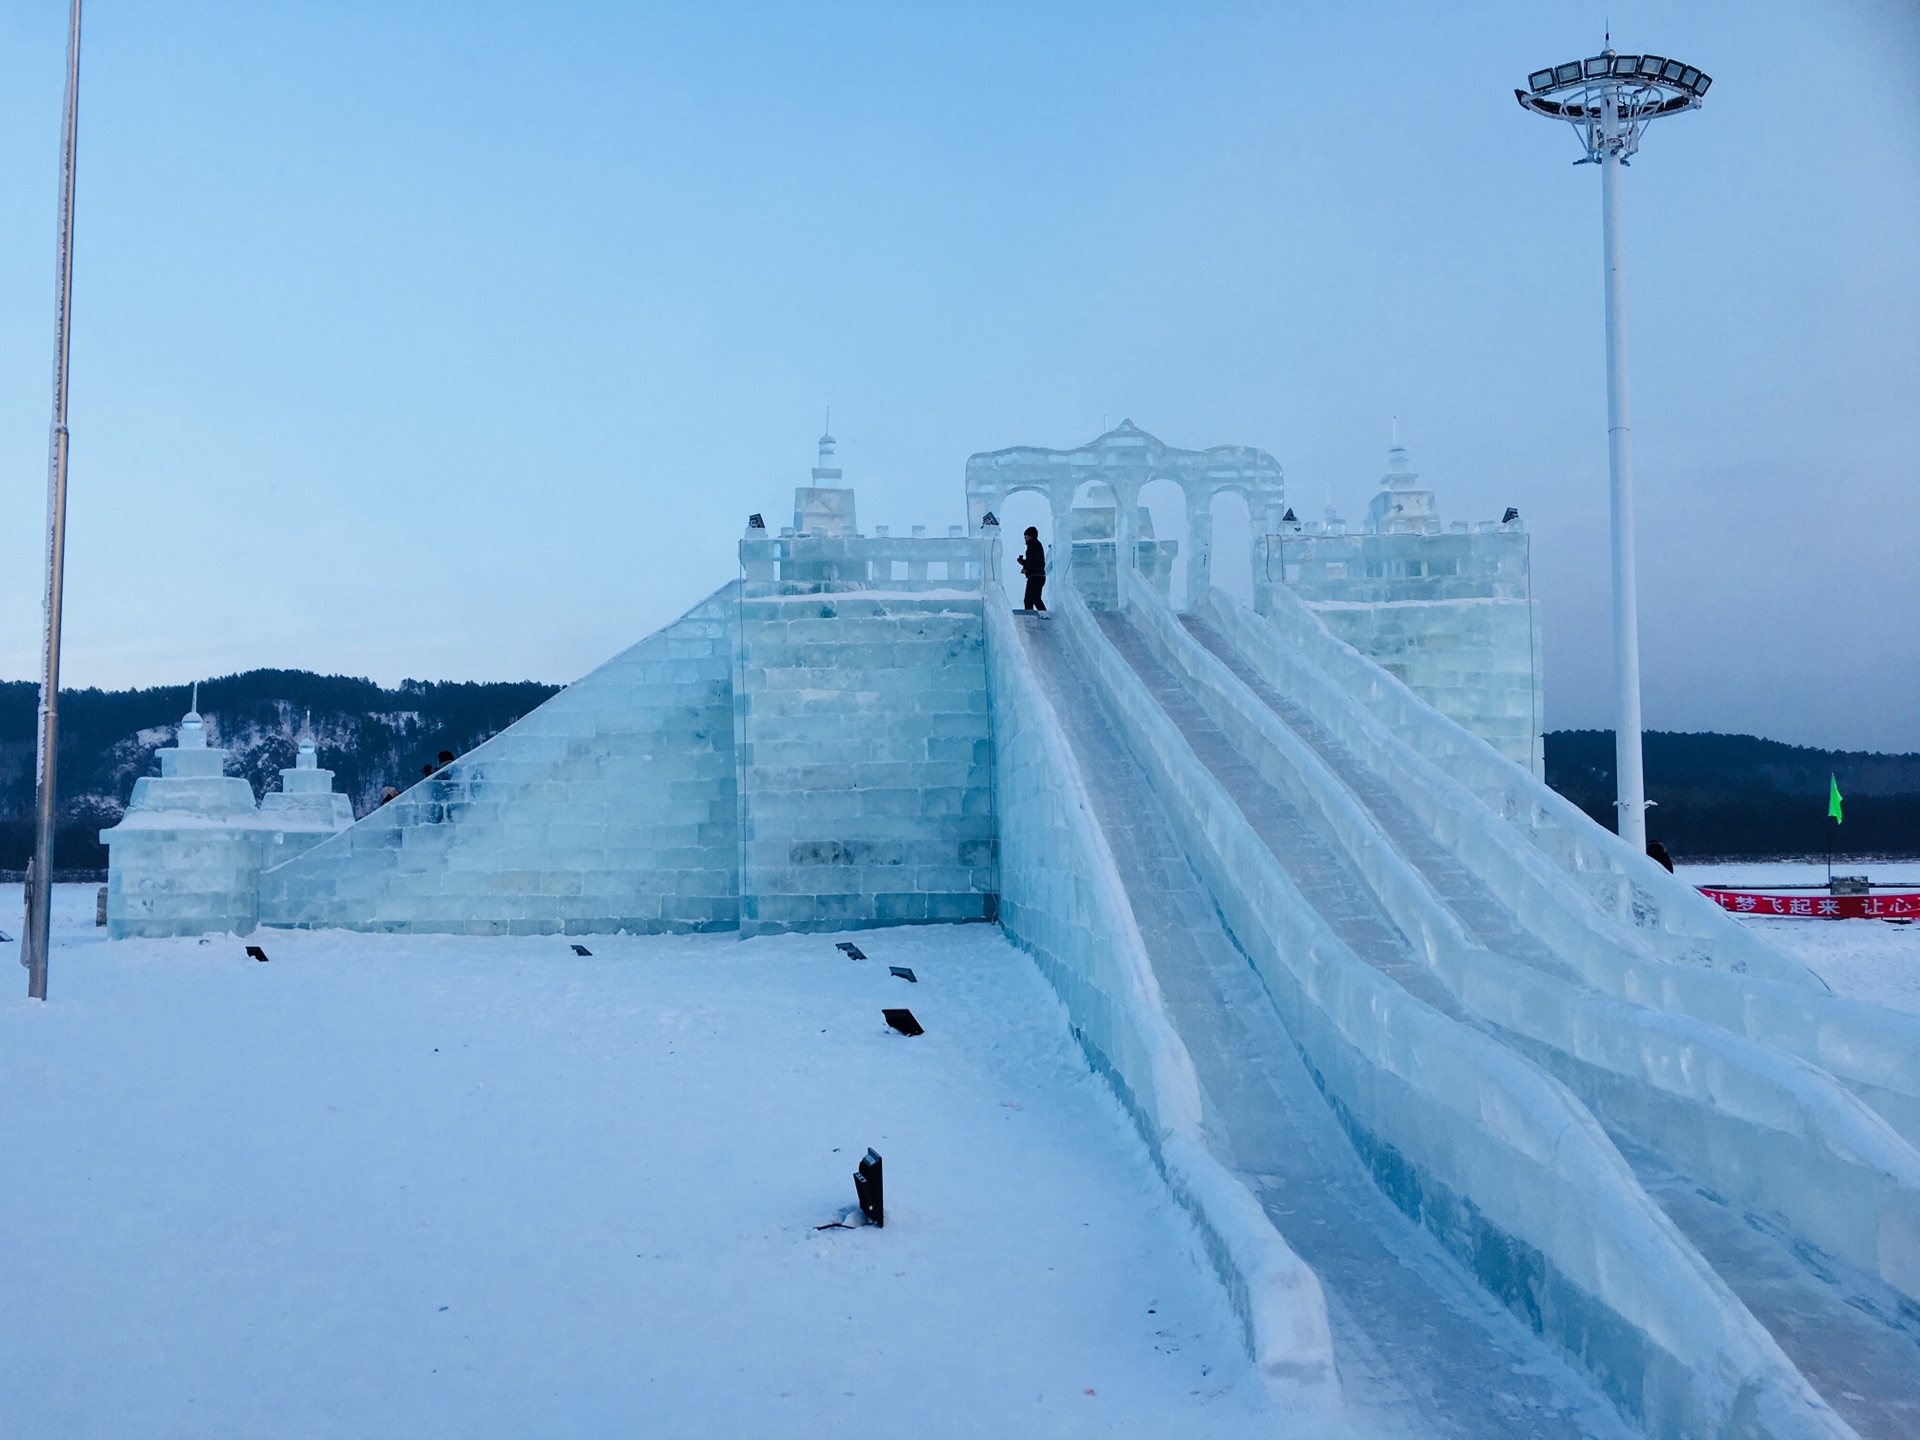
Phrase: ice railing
{"type": "Point", "coordinates": [804, 564]}
{"type": "Point", "coordinates": [1766, 1129]}
{"type": "Point", "coordinates": [1760, 993]}
{"type": "Point", "coordinates": [1063, 902]}
{"type": "Point", "coordinates": [1492, 1154]}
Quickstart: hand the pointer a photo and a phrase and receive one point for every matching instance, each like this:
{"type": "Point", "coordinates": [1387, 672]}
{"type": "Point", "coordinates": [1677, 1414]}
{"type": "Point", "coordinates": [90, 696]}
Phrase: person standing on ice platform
{"type": "Point", "coordinates": [1033, 565]}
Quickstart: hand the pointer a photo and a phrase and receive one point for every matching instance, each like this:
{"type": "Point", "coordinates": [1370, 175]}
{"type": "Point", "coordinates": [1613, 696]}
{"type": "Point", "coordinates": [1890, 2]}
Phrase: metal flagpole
{"type": "Point", "coordinates": [40, 885]}
{"type": "Point", "coordinates": [1630, 786]}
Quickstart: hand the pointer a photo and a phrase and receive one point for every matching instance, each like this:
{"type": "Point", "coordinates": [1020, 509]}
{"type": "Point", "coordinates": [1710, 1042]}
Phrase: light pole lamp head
{"type": "Point", "coordinates": [1609, 99]}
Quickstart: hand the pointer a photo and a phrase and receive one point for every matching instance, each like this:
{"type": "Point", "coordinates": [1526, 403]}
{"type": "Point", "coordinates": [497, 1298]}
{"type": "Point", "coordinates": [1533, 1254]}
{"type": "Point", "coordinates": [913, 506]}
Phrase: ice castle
{"type": "Point", "coordinates": [811, 747]}
{"type": "Point", "coordinates": [1292, 870]}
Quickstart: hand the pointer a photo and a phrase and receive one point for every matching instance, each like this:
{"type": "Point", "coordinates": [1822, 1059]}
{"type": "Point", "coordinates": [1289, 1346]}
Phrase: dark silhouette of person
{"type": "Point", "coordinates": [443, 759]}
{"type": "Point", "coordinates": [1658, 852]}
{"type": "Point", "coordinates": [1033, 565]}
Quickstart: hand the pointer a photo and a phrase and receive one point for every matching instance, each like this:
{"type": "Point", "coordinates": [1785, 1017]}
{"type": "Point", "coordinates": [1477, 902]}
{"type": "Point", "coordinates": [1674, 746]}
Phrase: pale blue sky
{"type": "Point", "coordinates": [455, 341]}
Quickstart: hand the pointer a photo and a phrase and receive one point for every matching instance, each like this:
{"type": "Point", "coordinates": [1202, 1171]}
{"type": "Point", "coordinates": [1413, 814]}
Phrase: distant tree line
{"type": "Point", "coordinates": [1732, 797]}
{"type": "Point", "coordinates": [1720, 796]}
{"type": "Point", "coordinates": [370, 737]}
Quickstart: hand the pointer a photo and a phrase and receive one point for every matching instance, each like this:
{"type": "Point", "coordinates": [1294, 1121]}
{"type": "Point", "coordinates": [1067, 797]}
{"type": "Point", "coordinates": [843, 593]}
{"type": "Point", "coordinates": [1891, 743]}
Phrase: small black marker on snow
{"type": "Point", "coordinates": [905, 973]}
{"type": "Point", "coordinates": [254, 952]}
{"type": "Point", "coordinates": [903, 1021]}
{"type": "Point", "coordinates": [582, 950]}
{"type": "Point", "coordinates": [850, 950]}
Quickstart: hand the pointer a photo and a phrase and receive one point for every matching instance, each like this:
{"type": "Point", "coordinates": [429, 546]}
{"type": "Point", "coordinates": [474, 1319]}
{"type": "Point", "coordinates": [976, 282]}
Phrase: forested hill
{"type": "Point", "coordinates": [1737, 796]}
{"type": "Point", "coordinates": [1720, 796]}
{"type": "Point", "coordinates": [368, 736]}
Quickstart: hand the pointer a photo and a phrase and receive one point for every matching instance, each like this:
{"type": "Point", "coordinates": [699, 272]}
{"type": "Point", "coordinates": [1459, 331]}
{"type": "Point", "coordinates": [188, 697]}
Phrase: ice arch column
{"type": "Point", "coordinates": [186, 857]}
{"type": "Point", "coordinates": [1126, 460]}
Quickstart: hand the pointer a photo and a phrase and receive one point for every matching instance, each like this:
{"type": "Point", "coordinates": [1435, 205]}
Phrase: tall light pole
{"type": "Point", "coordinates": [33, 949]}
{"type": "Point", "coordinates": [1609, 100]}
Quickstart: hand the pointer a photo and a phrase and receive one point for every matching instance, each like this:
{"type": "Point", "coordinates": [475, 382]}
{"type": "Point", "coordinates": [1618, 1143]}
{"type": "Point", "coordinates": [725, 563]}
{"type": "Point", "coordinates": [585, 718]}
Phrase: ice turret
{"type": "Point", "coordinates": [305, 809]}
{"type": "Point", "coordinates": [185, 858]}
{"type": "Point", "coordinates": [1400, 507]}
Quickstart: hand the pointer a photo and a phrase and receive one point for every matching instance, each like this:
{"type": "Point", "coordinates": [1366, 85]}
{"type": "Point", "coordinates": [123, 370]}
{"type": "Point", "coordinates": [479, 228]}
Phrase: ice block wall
{"type": "Point", "coordinates": [862, 733]}
{"type": "Point", "coordinates": [1448, 614]}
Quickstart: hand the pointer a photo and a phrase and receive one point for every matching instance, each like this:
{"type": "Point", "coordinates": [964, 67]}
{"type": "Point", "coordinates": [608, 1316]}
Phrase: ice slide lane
{"type": "Point", "coordinates": [1497, 1159]}
{"type": "Point", "coordinates": [1856, 1339]}
{"type": "Point", "coordinates": [1631, 930]}
{"type": "Point", "coordinates": [1420, 1346]}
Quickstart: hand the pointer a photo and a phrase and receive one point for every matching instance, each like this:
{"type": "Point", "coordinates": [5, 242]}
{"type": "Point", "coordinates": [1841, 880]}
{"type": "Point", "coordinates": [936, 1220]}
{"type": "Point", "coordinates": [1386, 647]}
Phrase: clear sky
{"type": "Point", "coordinates": [456, 340]}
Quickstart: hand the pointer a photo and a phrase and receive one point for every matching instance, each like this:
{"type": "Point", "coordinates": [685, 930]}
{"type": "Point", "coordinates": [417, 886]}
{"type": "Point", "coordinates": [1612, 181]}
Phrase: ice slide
{"type": "Point", "coordinates": [1399, 1019]}
{"type": "Point", "coordinates": [1806, 1203]}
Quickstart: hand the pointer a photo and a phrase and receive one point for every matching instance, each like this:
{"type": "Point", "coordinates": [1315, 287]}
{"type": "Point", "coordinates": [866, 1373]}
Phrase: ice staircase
{"type": "Point", "coordinates": [1545, 1126]}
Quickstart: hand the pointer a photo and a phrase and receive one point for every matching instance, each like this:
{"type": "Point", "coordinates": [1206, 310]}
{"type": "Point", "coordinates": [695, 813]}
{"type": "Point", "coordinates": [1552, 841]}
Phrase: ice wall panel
{"type": "Point", "coordinates": [1475, 661]}
{"type": "Point", "coordinates": [865, 761]}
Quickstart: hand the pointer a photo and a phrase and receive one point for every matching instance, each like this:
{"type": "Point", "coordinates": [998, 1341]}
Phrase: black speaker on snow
{"type": "Point", "coordinates": [867, 1187]}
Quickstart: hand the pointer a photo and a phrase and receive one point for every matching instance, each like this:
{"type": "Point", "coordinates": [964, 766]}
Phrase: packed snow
{"type": "Point", "coordinates": [387, 1185]}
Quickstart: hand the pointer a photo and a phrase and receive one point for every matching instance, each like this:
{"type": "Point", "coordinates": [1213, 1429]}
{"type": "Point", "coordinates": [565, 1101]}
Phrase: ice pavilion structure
{"type": "Point", "coordinates": [1485, 1120]}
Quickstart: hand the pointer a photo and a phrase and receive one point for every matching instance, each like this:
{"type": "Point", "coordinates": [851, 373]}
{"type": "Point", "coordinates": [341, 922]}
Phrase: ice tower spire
{"type": "Point", "coordinates": [1399, 508]}
{"type": "Point", "coordinates": [193, 733]}
{"type": "Point", "coordinates": [827, 472]}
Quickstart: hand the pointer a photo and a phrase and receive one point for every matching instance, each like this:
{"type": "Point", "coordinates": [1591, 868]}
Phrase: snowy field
{"type": "Point", "coordinates": [386, 1186]}
{"type": "Point", "coordinates": [1872, 960]}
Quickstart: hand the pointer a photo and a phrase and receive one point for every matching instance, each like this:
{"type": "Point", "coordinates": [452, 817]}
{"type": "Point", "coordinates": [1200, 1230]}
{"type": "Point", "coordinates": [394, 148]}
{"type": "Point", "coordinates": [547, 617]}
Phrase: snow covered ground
{"type": "Point", "coordinates": [391, 1186]}
{"type": "Point", "coordinates": [1872, 960]}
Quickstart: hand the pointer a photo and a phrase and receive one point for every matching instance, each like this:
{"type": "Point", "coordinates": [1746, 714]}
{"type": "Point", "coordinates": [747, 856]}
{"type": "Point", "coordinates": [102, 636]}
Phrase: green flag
{"type": "Point", "coordinates": [1833, 799]}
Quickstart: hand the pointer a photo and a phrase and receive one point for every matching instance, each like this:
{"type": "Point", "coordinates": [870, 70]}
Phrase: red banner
{"type": "Point", "coordinates": [1820, 907]}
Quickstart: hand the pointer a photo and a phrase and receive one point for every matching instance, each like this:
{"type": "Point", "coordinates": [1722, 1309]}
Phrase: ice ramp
{"type": "Point", "coordinates": [612, 806]}
{"type": "Point", "coordinates": [1333, 1086]}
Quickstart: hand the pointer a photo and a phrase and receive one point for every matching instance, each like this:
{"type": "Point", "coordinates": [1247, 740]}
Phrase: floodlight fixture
{"type": "Point", "coordinates": [1609, 99]}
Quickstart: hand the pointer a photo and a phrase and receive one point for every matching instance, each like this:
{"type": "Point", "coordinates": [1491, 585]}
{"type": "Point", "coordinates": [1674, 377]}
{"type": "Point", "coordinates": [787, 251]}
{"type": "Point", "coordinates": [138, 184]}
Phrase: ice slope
{"type": "Point", "coordinates": [1621, 922]}
{"type": "Point", "coordinates": [1494, 1156]}
{"type": "Point", "coordinates": [612, 806]}
{"type": "Point", "coordinates": [1806, 1202]}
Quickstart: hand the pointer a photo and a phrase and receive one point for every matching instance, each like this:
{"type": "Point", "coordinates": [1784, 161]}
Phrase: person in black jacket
{"type": "Point", "coordinates": [1033, 565]}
